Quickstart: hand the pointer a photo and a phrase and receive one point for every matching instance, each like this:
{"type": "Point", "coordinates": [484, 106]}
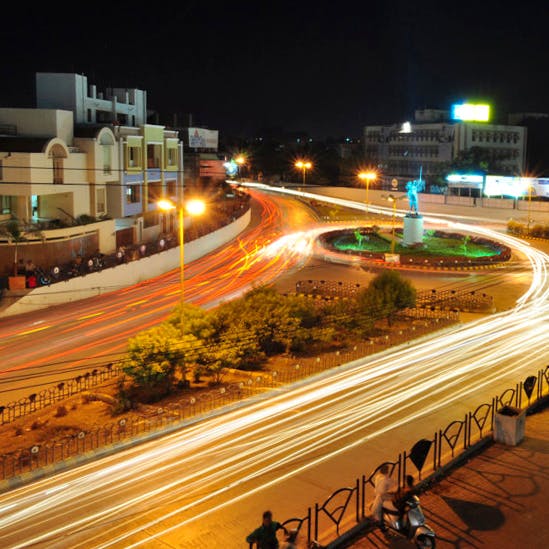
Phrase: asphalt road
{"type": "Point", "coordinates": [207, 485]}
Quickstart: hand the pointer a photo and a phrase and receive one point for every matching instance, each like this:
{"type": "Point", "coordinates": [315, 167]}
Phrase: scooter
{"type": "Point", "coordinates": [409, 522]}
{"type": "Point", "coordinates": [43, 278]}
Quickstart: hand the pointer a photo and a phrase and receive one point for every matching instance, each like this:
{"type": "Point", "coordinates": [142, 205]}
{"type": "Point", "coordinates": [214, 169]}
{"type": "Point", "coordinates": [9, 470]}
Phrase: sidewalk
{"type": "Point", "coordinates": [499, 499]}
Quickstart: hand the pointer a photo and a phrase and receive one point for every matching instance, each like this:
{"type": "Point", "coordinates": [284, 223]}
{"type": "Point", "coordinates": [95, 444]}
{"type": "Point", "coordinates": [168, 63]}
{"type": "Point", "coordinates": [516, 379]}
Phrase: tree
{"type": "Point", "coordinates": [478, 159]}
{"type": "Point", "coordinates": [386, 294]}
{"type": "Point", "coordinates": [192, 321]}
{"type": "Point", "coordinates": [156, 355]}
{"type": "Point", "coordinates": [12, 230]}
{"type": "Point", "coordinates": [276, 323]}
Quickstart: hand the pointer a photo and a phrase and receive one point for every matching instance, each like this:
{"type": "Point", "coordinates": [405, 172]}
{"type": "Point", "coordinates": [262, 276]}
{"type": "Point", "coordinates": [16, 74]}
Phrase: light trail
{"type": "Point", "coordinates": [142, 496]}
{"type": "Point", "coordinates": [79, 335]}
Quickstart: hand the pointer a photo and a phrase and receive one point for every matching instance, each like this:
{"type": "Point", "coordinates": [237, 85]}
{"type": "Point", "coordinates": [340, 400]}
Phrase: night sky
{"type": "Point", "coordinates": [327, 68]}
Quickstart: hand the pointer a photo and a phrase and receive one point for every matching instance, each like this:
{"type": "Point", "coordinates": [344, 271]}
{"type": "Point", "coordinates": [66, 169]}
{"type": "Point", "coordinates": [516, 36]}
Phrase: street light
{"type": "Point", "coordinates": [529, 206]}
{"type": "Point", "coordinates": [367, 177]}
{"type": "Point", "coordinates": [193, 207]}
{"type": "Point", "coordinates": [393, 199]}
{"type": "Point", "coordinates": [240, 161]}
{"type": "Point", "coordinates": [303, 165]}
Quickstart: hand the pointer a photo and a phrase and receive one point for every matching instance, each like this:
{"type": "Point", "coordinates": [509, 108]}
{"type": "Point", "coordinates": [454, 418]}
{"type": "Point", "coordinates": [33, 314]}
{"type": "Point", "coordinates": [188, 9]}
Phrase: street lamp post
{"type": "Point", "coordinates": [193, 207]}
{"type": "Point", "coordinates": [303, 165]}
{"type": "Point", "coordinates": [529, 207]}
{"type": "Point", "coordinates": [392, 198]}
{"type": "Point", "coordinates": [367, 177]}
{"type": "Point", "coordinates": [240, 161]}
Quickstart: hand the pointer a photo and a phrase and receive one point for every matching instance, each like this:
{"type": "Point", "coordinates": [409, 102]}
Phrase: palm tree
{"type": "Point", "coordinates": [12, 230]}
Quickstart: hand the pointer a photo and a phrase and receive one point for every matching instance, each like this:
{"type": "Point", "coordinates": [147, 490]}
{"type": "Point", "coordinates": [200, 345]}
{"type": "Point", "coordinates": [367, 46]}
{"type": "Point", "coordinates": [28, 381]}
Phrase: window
{"type": "Point", "coordinates": [133, 194]}
{"type": "Point", "coordinates": [89, 115]}
{"type": "Point", "coordinates": [153, 156]}
{"type": "Point", "coordinates": [171, 188]}
{"type": "Point", "coordinates": [5, 204]}
{"type": "Point", "coordinates": [134, 157]}
{"type": "Point", "coordinates": [100, 201]}
{"type": "Point", "coordinates": [107, 159]}
{"type": "Point", "coordinates": [155, 191]}
{"type": "Point", "coordinates": [172, 157]}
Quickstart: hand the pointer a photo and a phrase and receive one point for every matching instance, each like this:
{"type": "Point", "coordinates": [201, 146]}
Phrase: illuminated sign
{"type": "Point", "coordinates": [471, 112]}
{"type": "Point", "coordinates": [200, 138]}
{"type": "Point", "coordinates": [499, 185]}
{"type": "Point", "coordinates": [464, 178]}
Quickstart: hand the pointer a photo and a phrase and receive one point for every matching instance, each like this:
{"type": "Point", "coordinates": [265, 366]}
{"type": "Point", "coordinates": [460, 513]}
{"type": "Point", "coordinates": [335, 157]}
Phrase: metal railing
{"type": "Point", "coordinates": [447, 299]}
{"type": "Point", "coordinates": [14, 410]}
{"type": "Point", "coordinates": [428, 458]}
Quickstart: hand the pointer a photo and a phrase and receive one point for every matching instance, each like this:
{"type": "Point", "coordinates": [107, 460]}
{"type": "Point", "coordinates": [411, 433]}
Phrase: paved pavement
{"type": "Point", "coordinates": [498, 499]}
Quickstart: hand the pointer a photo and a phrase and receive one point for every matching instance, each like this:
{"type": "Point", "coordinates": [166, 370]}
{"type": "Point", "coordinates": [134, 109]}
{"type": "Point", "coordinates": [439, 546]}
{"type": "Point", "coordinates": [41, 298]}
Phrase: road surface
{"type": "Point", "coordinates": [206, 486]}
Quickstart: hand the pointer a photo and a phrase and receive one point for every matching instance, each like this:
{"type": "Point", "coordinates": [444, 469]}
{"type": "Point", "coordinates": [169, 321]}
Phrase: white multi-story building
{"type": "Point", "coordinates": [149, 156]}
{"type": "Point", "coordinates": [70, 91]}
{"type": "Point", "coordinates": [433, 142]}
{"type": "Point", "coordinates": [45, 173]}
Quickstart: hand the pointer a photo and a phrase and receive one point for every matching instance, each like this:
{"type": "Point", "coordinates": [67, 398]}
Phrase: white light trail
{"type": "Point", "coordinates": [135, 498]}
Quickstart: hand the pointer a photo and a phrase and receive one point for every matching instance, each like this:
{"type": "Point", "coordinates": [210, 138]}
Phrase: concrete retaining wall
{"type": "Point", "coordinates": [121, 276]}
{"type": "Point", "coordinates": [503, 208]}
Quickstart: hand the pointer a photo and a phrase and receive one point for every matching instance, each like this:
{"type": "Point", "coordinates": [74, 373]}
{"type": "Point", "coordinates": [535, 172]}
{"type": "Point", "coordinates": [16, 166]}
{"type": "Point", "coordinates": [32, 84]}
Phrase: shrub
{"type": "Point", "coordinates": [61, 411]}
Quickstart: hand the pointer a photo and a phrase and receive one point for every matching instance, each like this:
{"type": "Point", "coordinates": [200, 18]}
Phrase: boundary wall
{"type": "Point", "coordinates": [121, 276]}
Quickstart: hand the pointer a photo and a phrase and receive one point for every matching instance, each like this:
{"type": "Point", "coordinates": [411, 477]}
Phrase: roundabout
{"type": "Point", "coordinates": [437, 248]}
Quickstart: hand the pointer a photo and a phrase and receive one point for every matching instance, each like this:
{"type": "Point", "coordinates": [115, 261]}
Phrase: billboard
{"type": "Point", "coordinates": [501, 185]}
{"type": "Point", "coordinates": [200, 138]}
{"type": "Point", "coordinates": [471, 112]}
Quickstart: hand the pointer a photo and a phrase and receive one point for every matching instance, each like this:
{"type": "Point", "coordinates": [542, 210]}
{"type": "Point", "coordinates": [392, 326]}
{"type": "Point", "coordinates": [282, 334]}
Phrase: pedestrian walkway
{"type": "Point", "coordinates": [498, 499]}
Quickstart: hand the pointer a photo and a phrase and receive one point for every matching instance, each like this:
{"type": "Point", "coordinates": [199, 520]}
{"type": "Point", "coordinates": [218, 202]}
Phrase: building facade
{"type": "Point", "coordinates": [148, 157]}
{"type": "Point", "coordinates": [45, 173]}
{"type": "Point", "coordinates": [432, 142]}
{"type": "Point", "coordinates": [70, 91]}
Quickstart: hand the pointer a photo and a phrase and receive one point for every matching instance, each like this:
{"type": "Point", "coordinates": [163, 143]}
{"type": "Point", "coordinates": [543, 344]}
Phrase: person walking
{"type": "Point", "coordinates": [265, 535]}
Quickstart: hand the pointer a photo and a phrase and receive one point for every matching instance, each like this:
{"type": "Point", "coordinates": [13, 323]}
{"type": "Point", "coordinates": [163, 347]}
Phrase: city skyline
{"type": "Point", "coordinates": [302, 67]}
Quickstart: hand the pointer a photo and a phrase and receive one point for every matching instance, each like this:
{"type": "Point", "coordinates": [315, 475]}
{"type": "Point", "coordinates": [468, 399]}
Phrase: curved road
{"type": "Point", "coordinates": [205, 486]}
{"type": "Point", "coordinates": [56, 344]}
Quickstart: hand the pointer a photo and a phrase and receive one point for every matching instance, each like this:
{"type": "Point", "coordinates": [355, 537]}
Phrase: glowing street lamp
{"type": "Point", "coordinates": [367, 177]}
{"type": "Point", "coordinates": [193, 207]}
{"type": "Point", "coordinates": [240, 161]}
{"type": "Point", "coordinates": [303, 165]}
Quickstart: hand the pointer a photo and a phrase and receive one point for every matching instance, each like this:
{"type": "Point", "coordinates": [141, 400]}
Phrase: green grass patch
{"type": "Point", "coordinates": [432, 246]}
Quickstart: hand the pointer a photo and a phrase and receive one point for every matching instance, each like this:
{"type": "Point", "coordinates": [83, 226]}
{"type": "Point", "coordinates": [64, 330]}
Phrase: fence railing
{"type": "Point", "coordinates": [13, 410]}
{"type": "Point", "coordinates": [348, 506]}
{"type": "Point", "coordinates": [447, 299]}
{"type": "Point", "coordinates": [37, 456]}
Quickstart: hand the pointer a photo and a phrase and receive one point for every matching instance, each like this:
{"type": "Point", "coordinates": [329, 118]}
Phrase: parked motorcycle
{"type": "Point", "coordinates": [43, 278]}
{"type": "Point", "coordinates": [408, 520]}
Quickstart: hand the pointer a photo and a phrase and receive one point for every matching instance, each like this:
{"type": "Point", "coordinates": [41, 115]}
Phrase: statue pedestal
{"type": "Point", "coordinates": [413, 230]}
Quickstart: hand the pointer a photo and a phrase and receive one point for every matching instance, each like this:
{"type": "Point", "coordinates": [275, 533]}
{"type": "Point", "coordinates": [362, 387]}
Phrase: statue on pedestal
{"type": "Point", "coordinates": [412, 188]}
{"type": "Point", "coordinates": [413, 221]}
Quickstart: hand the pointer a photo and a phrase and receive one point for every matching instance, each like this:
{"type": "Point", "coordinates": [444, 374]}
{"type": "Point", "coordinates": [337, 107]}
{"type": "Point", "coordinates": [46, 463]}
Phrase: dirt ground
{"type": "Point", "coordinates": [69, 417]}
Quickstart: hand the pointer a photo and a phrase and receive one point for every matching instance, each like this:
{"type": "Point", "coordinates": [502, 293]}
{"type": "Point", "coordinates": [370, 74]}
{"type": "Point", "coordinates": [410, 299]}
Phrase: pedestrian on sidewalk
{"type": "Point", "coordinates": [265, 535]}
{"type": "Point", "coordinates": [384, 487]}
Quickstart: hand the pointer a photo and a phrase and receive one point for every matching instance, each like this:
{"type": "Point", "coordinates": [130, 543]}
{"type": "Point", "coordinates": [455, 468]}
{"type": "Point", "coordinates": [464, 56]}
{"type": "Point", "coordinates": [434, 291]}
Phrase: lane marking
{"type": "Point", "coordinates": [136, 303]}
{"type": "Point", "coordinates": [91, 315]}
{"type": "Point", "coordinates": [34, 330]}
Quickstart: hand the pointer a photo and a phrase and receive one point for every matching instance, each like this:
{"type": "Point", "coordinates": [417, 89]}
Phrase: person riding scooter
{"type": "Point", "coordinates": [404, 515]}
